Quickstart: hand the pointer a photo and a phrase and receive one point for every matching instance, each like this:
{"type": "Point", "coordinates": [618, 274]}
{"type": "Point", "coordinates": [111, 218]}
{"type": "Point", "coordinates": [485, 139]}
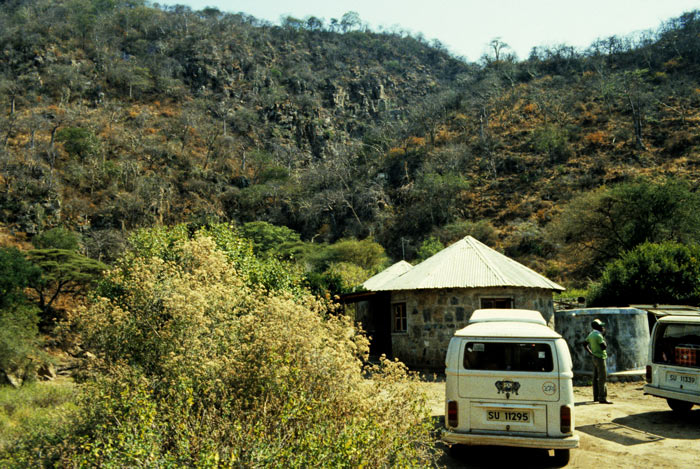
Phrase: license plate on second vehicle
{"type": "Point", "coordinates": [503, 415]}
{"type": "Point", "coordinates": [682, 380]}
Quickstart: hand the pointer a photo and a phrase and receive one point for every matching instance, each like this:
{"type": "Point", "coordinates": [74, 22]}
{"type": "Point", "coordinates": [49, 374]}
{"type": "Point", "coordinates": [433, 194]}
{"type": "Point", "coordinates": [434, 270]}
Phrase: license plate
{"type": "Point", "coordinates": [680, 379]}
{"type": "Point", "coordinates": [502, 415]}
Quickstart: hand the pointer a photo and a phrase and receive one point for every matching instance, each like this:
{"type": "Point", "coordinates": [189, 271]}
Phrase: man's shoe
{"type": "Point", "coordinates": [605, 402]}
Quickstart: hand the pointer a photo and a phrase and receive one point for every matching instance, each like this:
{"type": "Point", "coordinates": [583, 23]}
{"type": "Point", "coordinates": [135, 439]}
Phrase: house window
{"type": "Point", "coordinates": [499, 303]}
{"type": "Point", "coordinates": [398, 317]}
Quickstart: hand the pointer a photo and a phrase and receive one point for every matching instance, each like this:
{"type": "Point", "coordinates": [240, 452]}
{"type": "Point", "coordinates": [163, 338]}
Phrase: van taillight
{"type": "Point", "coordinates": [648, 373]}
{"type": "Point", "coordinates": [565, 417]}
{"type": "Point", "coordinates": [452, 419]}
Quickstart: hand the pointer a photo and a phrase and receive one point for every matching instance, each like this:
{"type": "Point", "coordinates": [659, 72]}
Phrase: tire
{"type": "Point", "coordinates": [561, 457]}
{"type": "Point", "coordinates": [680, 407]}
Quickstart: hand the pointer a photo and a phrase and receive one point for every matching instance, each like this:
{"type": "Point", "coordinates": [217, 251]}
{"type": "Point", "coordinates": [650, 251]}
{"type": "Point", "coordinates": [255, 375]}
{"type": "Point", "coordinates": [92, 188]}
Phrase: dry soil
{"type": "Point", "coordinates": [636, 431]}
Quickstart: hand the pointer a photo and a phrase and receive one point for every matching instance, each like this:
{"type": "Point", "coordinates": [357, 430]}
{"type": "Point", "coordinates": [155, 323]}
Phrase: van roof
{"type": "Point", "coordinates": [513, 315]}
{"type": "Point", "coordinates": [694, 319]}
{"type": "Point", "coordinates": [507, 329]}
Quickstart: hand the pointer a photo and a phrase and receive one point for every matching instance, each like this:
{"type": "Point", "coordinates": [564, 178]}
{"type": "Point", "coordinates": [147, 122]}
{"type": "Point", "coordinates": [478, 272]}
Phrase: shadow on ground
{"type": "Point", "coordinates": [476, 457]}
{"type": "Point", "coordinates": [620, 434]}
{"type": "Point", "coordinates": [666, 424]}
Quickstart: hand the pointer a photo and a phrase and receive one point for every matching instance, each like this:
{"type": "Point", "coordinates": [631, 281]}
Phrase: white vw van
{"type": "Point", "coordinates": [673, 371]}
{"type": "Point", "coordinates": [509, 383]}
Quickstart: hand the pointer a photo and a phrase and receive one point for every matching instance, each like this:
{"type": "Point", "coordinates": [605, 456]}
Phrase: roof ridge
{"type": "Point", "coordinates": [514, 263]}
{"type": "Point", "coordinates": [483, 259]}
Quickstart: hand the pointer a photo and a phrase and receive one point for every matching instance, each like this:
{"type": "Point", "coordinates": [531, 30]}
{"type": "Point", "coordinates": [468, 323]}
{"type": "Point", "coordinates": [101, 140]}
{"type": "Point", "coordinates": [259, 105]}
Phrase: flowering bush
{"type": "Point", "coordinates": [195, 367]}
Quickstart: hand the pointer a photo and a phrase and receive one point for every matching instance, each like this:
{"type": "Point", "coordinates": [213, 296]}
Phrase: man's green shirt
{"type": "Point", "coordinates": [595, 338]}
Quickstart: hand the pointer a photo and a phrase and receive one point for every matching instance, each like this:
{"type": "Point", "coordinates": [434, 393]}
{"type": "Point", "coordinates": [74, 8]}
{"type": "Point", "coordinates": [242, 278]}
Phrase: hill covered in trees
{"type": "Point", "coordinates": [187, 189]}
{"type": "Point", "coordinates": [120, 115]}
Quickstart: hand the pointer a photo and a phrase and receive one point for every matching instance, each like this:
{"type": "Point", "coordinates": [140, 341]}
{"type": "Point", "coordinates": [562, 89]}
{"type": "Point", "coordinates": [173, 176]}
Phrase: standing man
{"type": "Point", "coordinates": [596, 346]}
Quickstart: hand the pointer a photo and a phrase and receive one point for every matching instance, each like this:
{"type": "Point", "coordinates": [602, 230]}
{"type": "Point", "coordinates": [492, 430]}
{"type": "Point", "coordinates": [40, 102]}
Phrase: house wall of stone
{"type": "Point", "coordinates": [432, 317]}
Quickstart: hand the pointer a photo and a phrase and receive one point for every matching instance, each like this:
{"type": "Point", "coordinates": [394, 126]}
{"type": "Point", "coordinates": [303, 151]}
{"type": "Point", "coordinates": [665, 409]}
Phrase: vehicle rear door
{"type": "Point", "coordinates": [508, 383]}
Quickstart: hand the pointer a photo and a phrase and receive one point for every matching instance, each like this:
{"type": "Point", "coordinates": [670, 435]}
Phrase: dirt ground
{"type": "Point", "coordinates": [637, 431]}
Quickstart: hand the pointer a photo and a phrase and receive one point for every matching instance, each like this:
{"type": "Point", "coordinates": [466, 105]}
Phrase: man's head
{"type": "Point", "coordinates": [598, 325]}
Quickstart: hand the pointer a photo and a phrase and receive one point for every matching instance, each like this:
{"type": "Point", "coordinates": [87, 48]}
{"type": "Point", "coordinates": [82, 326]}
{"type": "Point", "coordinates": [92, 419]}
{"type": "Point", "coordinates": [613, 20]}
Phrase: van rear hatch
{"type": "Point", "coordinates": [508, 383]}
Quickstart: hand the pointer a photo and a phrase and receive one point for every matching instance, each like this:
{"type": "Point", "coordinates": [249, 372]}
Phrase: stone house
{"type": "Point", "coordinates": [411, 313]}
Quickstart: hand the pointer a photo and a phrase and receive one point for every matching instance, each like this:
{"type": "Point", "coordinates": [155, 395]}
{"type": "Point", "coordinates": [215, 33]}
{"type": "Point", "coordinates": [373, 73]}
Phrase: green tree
{"type": "Point", "coordinates": [350, 21]}
{"type": "Point", "coordinates": [16, 273]}
{"type": "Point", "coordinates": [57, 238]}
{"type": "Point", "coordinates": [19, 338]}
{"type": "Point", "coordinates": [482, 230]}
{"type": "Point", "coordinates": [63, 272]}
{"type": "Point", "coordinates": [429, 247]}
{"type": "Point", "coordinates": [270, 239]}
{"type": "Point", "coordinates": [365, 253]}
{"type": "Point", "coordinates": [264, 271]}
{"type": "Point", "coordinates": [78, 142]}
{"type": "Point", "coordinates": [430, 202]}
{"type": "Point", "coordinates": [20, 342]}
{"type": "Point", "coordinates": [552, 141]}
{"type": "Point", "coordinates": [351, 275]}
{"type": "Point", "coordinates": [130, 78]}
{"type": "Point", "coordinates": [651, 274]}
{"type": "Point", "coordinates": [597, 227]}
{"type": "Point", "coordinates": [526, 238]}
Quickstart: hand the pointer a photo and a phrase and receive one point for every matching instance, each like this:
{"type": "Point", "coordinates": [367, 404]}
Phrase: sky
{"type": "Point", "coordinates": [466, 27]}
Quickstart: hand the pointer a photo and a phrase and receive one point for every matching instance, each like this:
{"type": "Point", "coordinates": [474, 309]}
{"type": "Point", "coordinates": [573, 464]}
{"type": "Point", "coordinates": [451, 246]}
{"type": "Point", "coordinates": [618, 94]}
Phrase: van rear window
{"type": "Point", "coordinates": [508, 356]}
{"type": "Point", "coordinates": [678, 344]}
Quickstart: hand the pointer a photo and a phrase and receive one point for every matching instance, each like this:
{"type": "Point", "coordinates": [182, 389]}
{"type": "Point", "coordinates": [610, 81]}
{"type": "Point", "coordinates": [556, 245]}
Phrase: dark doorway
{"type": "Point", "coordinates": [380, 310]}
{"type": "Point", "coordinates": [376, 322]}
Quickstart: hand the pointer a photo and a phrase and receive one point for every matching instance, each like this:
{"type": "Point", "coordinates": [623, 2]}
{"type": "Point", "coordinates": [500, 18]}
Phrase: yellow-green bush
{"type": "Point", "coordinates": [33, 421]}
{"type": "Point", "coordinates": [196, 368]}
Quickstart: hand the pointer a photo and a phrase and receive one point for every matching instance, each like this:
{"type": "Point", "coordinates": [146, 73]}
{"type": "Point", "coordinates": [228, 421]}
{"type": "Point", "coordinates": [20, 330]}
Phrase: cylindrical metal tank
{"type": "Point", "coordinates": [626, 332]}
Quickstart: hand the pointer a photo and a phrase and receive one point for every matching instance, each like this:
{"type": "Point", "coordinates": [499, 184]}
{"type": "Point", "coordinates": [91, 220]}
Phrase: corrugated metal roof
{"type": "Point", "coordinates": [374, 283]}
{"type": "Point", "coordinates": [468, 263]}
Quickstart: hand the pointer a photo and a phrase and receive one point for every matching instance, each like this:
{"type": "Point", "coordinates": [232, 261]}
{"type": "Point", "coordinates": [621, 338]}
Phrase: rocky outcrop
{"type": "Point", "coordinates": [11, 379]}
{"type": "Point", "coordinates": [46, 372]}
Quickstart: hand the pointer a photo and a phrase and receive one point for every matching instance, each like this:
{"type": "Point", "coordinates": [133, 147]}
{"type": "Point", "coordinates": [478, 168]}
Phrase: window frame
{"type": "Point", "coordinates": [669, 337]}
{"type": "Point", "coordinates": [399, 318]}
{"type": "Point", "coordinates": [516, 356]}
{"type": "Point", "coordinates": [494, 299]}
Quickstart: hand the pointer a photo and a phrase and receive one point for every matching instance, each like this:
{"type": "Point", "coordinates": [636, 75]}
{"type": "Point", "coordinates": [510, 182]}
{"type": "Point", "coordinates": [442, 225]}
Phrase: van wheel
{"type": "Point", "coordinates": [561, 457]}
{"type": "Point", "coordinates": [680, 407]}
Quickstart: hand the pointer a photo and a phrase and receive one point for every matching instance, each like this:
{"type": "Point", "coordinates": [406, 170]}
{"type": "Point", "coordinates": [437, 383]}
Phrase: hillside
{"type": "Point", "coordinates": [118, 115]}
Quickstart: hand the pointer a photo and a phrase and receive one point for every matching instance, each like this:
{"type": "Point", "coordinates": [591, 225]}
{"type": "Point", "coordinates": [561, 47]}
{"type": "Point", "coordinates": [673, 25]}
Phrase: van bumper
{"type": "Point", "coordinates": [671, 394]}
{"type": "Point", "coordinates": [453, 438]}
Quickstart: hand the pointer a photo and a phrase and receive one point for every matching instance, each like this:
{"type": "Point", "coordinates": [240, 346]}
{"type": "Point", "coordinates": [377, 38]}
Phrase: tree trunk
{"type": "Point", "coordinates": [637, 120]}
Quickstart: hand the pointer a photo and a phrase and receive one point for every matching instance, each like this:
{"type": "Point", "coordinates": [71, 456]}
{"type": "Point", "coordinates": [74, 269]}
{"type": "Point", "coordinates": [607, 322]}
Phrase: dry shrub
{"type": "Point", "coordinates": [530, 108]}
{"type": "Point", "coordinates": [397, 152]}
{"type": "Point", "coordinates": [195, 368]}
{"type": "Point", "coordinates": [414, 141]}
{"type": "Point", "coordinates": [597, 137]}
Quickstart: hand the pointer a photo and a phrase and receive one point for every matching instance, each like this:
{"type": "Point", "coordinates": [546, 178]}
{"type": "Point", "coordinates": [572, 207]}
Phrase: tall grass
{"type": "Point", "coordinates": [38, 411]}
